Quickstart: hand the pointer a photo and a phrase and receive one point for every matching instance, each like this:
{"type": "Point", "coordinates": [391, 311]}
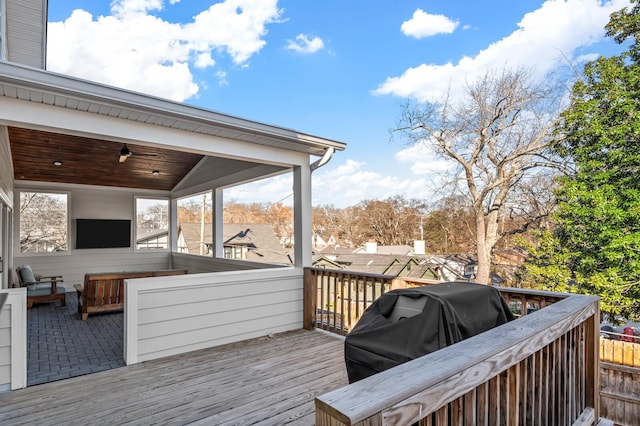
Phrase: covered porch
{"type": "Point", "coordinates": [67, 136]}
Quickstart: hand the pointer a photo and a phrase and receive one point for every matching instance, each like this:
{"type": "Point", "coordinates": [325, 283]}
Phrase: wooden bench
{"type": "Point", "coordinates": [104, 291]}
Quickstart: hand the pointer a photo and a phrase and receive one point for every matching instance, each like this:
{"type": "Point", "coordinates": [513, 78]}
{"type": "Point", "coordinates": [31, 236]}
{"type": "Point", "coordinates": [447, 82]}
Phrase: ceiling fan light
{"type": "Point", "coordinates": [57, 163]}
{"type": "Point", "coordinates": [155, 172]}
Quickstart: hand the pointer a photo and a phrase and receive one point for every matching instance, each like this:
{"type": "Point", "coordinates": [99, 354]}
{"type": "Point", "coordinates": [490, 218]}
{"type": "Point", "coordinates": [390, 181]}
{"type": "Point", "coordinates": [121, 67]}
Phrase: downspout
{"type": "Point", "coordinates": [324, 160]}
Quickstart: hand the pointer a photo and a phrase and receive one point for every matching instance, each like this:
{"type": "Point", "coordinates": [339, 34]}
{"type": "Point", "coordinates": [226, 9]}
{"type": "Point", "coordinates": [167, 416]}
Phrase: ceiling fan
{"type": "Point", "coordinates": [126, 153]}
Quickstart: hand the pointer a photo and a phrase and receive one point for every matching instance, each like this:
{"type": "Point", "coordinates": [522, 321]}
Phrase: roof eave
{"type": "Point", "coordinates": [23, 77]}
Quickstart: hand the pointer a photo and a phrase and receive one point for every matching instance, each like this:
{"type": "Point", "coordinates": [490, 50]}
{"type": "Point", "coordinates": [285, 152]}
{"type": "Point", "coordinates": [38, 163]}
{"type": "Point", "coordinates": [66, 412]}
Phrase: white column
{"type": "Point", "coordinates": [218, 213]}
{"type": "Point", "coordinates": [302, 215]}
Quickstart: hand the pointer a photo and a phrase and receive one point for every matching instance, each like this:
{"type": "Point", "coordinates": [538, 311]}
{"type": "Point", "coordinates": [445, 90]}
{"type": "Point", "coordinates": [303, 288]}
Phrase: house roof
{"type": "Point", "coordinates": [403, 250]}
{"type": "Point", "coordinates": [369, 263]}
{"type": "Point", "coordinates": [35, 146]}
{"type": "Point", "coordinates": [34, 85]}
{"type": "Point", "coordinates": [259, 238]}
{"type": "Point", "coordinates": [336, 250]}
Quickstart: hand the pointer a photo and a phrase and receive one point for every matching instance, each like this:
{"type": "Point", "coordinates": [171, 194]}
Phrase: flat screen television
{"type": "Point", "coordinates": [103, 233]}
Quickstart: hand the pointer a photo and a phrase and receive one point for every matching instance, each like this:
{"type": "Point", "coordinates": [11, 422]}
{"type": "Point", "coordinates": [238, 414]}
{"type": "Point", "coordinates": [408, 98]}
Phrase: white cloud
{"type": "Point", "coordinates": [424, 24]}
{"type": "Point", "coordinates": [133, 7]}
{"type": "Point", "coordinates": [136, 50]}
{"type": "Point", "coordinates": [587, 58]}
{"type": "Point", "coordinates": [276, 189]}
{"type": "Point", "coordinates": [304, 44]}
{"type": "Point", "coordinates": [424, 161]}
{"type": "Point", "coordinates": [546, 38]}
{"type": "Point", "coordinates": [349, 184]}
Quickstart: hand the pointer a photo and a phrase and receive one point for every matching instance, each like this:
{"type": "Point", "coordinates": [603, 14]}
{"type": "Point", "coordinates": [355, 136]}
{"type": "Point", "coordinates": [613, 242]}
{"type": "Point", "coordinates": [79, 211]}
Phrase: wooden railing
{"type": "Point", "coordinates": [335, 300]}
{"type": "Point", "coordinates": [542, 368]}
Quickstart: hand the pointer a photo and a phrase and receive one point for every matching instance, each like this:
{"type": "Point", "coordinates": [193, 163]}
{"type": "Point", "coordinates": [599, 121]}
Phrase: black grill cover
{"type": "Point", "coordinates": [405, 324]}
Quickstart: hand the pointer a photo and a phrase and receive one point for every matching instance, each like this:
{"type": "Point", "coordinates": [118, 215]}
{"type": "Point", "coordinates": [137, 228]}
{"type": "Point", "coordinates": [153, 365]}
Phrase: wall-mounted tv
{"type": "Point", "coordinates": [103, 233]}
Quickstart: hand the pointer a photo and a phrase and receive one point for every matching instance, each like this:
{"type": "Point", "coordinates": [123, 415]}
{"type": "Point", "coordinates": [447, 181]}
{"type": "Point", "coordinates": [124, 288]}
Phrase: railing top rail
{"type": "Point", "coordinates": [454, 370]}
{"type": "Point", "coordinates": [356, 273]}
{"type": "Point", "coordinates": [526, 291]}
{"type": "Point", "coordinates": [533, 292]}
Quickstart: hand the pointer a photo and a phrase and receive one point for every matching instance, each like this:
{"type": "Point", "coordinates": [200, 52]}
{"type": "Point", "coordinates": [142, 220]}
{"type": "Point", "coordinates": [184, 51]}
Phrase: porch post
{"type": "Point", "coordinates": [217, 223]}
{"type": "Point", "coordinates": [302, 215]}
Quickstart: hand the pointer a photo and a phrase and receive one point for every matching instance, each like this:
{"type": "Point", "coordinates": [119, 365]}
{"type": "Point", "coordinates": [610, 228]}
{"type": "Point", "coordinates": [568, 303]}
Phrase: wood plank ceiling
{"type": "Point", "coordinates": [90, 161]}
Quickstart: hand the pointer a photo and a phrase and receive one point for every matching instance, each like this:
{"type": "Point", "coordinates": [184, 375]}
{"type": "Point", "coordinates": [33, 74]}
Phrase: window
{"type": "Point", "coordinates": [43, 222]}
{"type": "Point", "coordinates": [258, 221]}
{"type": "Point", "coordinates": [195, 224]}
{"type": "Point", "coordinates": [152, 224]}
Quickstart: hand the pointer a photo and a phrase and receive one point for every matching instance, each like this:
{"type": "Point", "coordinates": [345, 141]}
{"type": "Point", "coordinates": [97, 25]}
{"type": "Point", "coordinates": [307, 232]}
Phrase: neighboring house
{"type": "Point", "coordinates": [319, 242]}
{"type": "Point", "coordinates": [241, 241]}
{"type": "Point", "coordinates": [381, 264]}
{"type": "Point", "coordinates": [374, 248]}
{"type": "Point", "coordinates": [153, 240]}
{"type": "Point", "coordinates": [400, 250]}
{"type": "Point", "coordinates": [454, 267]}
{"type": "Point", "coordinates": [80, 140]}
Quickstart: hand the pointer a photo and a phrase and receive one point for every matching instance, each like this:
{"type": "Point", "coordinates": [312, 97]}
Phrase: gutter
{"type": "Point", "coordinates": [324, 160]}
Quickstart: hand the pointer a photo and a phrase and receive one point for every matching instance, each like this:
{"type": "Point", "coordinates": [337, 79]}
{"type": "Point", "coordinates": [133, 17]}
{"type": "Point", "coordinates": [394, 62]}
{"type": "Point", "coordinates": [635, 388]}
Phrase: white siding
{"type": "Point", "coordinates": [171, 315]}
{"type": "Point", "coordinates": [5, 348]}
{"type": "Point", "coordinates": [25, 24]}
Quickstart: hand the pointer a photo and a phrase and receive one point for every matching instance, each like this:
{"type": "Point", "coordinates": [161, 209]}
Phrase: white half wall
{"type": "Point", "coordinates": [202, 264]}
{"type": "Point", "coordinates": [172, 315]}
{"type": "Point", "coordinates": [13, 340]}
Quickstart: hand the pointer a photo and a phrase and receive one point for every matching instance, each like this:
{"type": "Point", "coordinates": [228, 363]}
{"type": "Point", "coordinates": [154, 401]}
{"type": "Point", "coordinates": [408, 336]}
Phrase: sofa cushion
{"type": "Point", "coordinates": [26, 274]}
{"type": "Point", "coordinates": [44, 290]}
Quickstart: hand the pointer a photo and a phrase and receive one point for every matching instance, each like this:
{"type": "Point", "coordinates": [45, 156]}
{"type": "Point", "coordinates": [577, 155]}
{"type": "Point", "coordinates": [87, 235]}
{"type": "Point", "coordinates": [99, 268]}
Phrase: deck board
{"type": "Point", "coordinates": [266, 381]}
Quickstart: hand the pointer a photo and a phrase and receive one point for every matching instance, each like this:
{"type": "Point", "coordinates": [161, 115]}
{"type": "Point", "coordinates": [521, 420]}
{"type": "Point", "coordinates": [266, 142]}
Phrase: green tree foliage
{"type": "Point", "coordinates": [597, 238]}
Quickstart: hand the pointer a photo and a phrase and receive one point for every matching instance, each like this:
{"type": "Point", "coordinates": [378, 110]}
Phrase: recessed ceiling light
{"type": "Point", "coordinates": [155, 172]}
{"type": "Point", "coordinates": [57, 163]}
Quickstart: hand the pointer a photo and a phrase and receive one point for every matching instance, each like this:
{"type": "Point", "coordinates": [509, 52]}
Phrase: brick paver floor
{"type": "Point", "coordinates": [61, 345]}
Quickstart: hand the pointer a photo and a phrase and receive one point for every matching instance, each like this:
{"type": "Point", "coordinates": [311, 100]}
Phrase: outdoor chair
{"type": "Point", "coordinates": [39, 288]}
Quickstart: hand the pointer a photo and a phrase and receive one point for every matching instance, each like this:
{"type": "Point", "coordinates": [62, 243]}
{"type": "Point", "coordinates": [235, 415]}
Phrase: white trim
{"type": "Point", "coordinates": [17, 200]}
{"type": "Point", "coordinates": [130, 338]}
{"type": "Point", "coordinates": [85, 124]}
{"type": "Point", "coordinates": [135, 223]}
{"type": "Point", "coordinates": [3, 30]}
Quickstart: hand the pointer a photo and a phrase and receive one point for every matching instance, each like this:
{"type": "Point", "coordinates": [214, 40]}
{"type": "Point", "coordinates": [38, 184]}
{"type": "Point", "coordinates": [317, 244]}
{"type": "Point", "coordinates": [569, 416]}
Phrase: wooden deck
{"type": "Point", "coordinates": [266, 381]}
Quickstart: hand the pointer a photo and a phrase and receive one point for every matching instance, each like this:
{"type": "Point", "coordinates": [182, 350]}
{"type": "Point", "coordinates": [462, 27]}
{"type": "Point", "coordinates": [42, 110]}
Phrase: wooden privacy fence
{"type": "Point", "coordinates": [539, 369]}
{"type": "Point", "coordinates": [620, 381]}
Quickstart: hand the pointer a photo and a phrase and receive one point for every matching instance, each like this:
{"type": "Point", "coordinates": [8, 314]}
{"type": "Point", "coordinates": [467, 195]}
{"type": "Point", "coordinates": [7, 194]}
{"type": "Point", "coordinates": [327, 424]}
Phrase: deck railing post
{"type": "Point", "coordinates": [592, 361]}
{"type": "Point", "coordinates": [310, 293]}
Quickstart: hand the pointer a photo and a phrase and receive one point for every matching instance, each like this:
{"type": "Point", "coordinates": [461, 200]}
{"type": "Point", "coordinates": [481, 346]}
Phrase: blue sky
{"type": "Point", "coordinates": [333, 68]}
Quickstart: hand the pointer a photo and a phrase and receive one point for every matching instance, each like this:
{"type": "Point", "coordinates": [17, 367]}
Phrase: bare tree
{"type": "Point", "coordinates": [43, 222]}
{"type": "Point", "coordinates": [393, 221]}
{"type": "Point", "coordinates": [497, 134]}
{"type": "Point", "coordinates": [449, 227]}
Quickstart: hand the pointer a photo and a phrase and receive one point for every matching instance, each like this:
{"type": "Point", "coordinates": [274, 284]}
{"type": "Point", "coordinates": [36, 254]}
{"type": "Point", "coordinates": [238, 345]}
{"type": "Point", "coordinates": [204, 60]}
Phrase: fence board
{"type": "Point", "coordinates": [620, 352]}
{"type": "Point", "coordinates": [620, 393]}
